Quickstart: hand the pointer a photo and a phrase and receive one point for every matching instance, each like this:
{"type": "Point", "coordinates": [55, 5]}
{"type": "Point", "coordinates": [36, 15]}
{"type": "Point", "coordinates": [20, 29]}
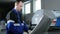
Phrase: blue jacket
{"type": "Point", "coordinates": [19, 29]}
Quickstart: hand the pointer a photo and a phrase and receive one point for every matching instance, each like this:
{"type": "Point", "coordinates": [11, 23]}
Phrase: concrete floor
{"type": "Point", "coordinates": [4, 32]}
{"type": "Point", "coordinates": [53, 32]}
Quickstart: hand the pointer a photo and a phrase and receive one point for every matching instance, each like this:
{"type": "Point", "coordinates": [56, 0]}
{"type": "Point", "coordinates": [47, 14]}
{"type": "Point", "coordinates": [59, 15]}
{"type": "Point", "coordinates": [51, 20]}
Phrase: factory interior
{"type": "Point", "coordinates": [41, 16]}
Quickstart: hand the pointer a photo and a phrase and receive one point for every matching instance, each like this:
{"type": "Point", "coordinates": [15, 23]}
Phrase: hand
{"type": "Point", "coordinates": [26, 33]}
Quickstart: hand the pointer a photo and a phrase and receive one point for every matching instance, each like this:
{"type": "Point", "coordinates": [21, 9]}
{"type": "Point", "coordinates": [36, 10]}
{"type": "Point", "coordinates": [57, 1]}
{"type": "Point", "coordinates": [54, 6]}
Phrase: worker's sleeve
{"type": "Point", "coordinates": [26, 27]}
{"type": "Point", "coordinates": [9, 26]}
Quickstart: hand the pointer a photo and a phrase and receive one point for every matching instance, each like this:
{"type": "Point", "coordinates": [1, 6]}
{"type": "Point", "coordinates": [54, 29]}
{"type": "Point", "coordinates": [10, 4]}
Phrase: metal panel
{"type": "Point", "coordinates": [43, 26]}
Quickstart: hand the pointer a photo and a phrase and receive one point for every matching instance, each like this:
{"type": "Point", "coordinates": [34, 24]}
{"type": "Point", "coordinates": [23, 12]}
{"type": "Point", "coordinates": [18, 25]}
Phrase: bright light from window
{"type": "Point", "coordinates": [27, 8]}
{"type": "Point", "coordinates": [37, 5]}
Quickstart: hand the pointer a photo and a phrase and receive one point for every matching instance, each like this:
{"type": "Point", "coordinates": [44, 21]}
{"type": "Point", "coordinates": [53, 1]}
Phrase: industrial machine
{"type": "Point", "coordinates": [42, 19]}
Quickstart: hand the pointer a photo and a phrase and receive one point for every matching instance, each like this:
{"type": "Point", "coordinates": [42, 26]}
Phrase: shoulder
{"type": "Point", "coordinates": [10, 14]}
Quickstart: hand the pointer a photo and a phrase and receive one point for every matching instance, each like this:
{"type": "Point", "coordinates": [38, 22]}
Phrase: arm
{"type": "Point", "coordinates": [9, 26]}
{"type": "Point", "coordinates": [26, 28]}
{"type": "Point", "coordinates": [10, 21]}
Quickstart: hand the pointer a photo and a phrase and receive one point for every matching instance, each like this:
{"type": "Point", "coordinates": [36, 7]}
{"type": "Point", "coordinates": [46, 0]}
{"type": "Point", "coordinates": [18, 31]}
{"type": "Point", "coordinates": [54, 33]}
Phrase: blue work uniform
{"type": "Point", "coordinates": [58, 21]}
{"type": "Point", "coordinates": [16, 29]}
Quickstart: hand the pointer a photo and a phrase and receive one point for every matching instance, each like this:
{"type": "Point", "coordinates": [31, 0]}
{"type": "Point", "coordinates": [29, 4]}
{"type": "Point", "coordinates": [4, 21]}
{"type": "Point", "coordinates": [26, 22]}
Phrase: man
{"type": "Point", "coordinates": [15, 25]}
